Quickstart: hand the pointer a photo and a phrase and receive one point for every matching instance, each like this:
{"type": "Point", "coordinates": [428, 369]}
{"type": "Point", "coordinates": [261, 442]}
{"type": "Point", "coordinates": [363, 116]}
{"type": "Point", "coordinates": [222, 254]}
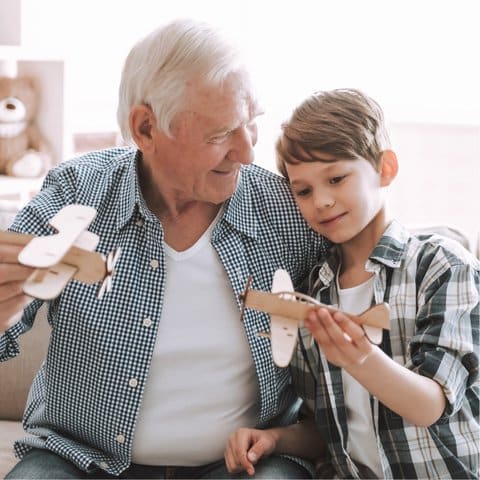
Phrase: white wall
{"type": "Point", "coordinates": [439, 176]}
{"type": "Point", "coordinates": [418, 58]}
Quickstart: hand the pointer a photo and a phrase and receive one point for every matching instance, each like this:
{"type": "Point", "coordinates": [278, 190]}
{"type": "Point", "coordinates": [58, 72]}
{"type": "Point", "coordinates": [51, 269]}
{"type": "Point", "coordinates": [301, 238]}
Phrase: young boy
{"type": "Point", "coordinates": [409, 406]}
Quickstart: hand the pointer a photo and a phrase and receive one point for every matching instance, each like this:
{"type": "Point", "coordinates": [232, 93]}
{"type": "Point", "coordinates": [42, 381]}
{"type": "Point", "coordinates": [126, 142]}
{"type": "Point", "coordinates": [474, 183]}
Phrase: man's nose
{"type": "Point", "coordinates": [245, 139]}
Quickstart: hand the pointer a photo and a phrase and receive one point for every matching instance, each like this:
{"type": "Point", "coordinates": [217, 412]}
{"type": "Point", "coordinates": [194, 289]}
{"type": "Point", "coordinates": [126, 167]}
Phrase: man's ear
{"type": "Point", "coordinates": [388, 167]}
{"type": "Point", "coordinates": [142, 124]}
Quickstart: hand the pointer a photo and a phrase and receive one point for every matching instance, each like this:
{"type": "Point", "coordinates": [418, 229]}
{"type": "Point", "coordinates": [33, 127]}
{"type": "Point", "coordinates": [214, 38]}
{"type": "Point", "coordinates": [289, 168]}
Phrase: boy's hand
{"type": "Point", "coordinates": [245, 447]}
{"type": "Point", "coordinates": [12, 277]}
{"type": "Point", "coordinates": [343, 342]}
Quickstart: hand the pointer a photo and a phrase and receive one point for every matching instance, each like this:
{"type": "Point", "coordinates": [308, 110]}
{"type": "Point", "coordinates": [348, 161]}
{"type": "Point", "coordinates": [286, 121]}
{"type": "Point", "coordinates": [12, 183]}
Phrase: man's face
{"type": "Point", "coordinates": [212, 138]}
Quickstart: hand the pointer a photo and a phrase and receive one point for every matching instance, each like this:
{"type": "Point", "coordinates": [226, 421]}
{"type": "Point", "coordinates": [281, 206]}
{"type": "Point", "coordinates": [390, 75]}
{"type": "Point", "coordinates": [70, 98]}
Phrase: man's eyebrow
{"type": "Point", "coordinates": [220, 131]}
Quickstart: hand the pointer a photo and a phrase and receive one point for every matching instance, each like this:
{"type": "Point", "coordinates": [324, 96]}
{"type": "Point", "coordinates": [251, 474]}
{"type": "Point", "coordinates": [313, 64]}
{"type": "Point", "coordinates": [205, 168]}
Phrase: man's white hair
{"type": "Point", "coordinates": [159, 66]}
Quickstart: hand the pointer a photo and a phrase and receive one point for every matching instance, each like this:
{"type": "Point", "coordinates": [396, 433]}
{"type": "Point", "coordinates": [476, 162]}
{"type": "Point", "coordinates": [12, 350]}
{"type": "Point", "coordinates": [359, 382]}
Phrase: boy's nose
{"type": "Point", "coordinates": [324, 200]}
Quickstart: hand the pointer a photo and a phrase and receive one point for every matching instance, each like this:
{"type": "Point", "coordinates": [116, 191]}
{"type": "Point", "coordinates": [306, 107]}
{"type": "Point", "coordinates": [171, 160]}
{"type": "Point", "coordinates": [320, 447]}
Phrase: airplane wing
{"type": "Point", "coordinates": [47, 284]}
{"type": "Point", "coordinates": [283, 330]}
{"type": "Point", "coordinates": [60, 257]}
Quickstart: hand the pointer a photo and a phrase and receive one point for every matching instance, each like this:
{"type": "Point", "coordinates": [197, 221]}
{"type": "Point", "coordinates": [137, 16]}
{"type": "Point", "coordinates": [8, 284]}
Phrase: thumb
{"type": "Point", "coordinates": [256, 451]}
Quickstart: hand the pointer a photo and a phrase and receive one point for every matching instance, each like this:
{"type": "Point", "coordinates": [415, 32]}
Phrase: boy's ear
{"type": "Point", "coordinates": [388, 167]}
{"type": "Point", "coordinates": [142, 123]}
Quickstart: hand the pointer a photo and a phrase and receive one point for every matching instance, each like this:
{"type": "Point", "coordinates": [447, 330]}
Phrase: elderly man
{"type": "Point", "coordinates": [150, 381]}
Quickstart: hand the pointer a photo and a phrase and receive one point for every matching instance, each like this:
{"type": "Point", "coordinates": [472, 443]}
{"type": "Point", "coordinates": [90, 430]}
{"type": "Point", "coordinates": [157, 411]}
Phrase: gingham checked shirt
{"type": "Point", "coordinates": [81, 405]}
{"type": "Point", "coordinates": [433, 288]}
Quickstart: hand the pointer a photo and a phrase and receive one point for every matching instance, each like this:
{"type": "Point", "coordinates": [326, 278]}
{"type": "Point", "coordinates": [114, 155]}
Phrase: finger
{"type": "Point", "coordinates": [336, 343]}
{"type": "Point", "coordinates": [11, 311]}
{"type": "Point", "coordinates": [10, 272]}
{"type": "Point", "coordinates": [356, 334]}
{"type": "Point", "coordinates": [233, 466]}
{"type": "Point", "coordinates": [10, 290]}
{"type": "Point", "coordinates": [354, 331]}
{"type": "Point", "coordinates": [314, 322]}
{"type": "Point", "coordinates": [9, 253]}
{"type": "Point", "coordinates": [350, 339]}
{"type": "Point", "coordinates": [236, 451]}
{"type": "Point", "coordinates": [244, 463]}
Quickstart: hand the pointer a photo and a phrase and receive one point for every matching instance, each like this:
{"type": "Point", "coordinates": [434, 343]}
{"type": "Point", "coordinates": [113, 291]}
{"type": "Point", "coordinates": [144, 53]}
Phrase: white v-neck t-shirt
{"type": "Point", "coordinates": [362, 442]}
{"type": "Point", "coordinates": [202, 383]}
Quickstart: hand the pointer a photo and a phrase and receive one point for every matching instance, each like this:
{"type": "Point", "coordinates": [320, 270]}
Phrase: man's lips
{"type": "Point", "coordinates": [225, 172]}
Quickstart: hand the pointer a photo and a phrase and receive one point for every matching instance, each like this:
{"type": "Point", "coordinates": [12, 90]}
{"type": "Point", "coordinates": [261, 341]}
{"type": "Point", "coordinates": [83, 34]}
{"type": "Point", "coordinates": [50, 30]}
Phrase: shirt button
{"type": "Point", "coordinates": [154, 263]}
{"type": "Point", "coordinates": [147, 322]}
{"type": "Point", "coordinates": [139, 222]}
{"type": "Point", "coordinates": [103, 465]}
{"type": "Point", "coordinates": [120, 438]}
{"type": "Point", "coordinates": [133, 382]}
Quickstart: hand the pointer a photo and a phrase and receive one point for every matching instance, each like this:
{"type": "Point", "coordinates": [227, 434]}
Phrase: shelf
{"type": "Point", "coordinates": [16, 60]}
{"type": "Point", "coordinates": [51, 115]}
{"type": "Point", "coordinates": [10, 22]}
{"type": "Point", "coordinates": [14, 194]}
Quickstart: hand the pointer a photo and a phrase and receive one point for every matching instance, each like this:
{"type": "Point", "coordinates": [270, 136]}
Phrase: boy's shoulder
{"type": "Point", "coordinates": [400, 246]}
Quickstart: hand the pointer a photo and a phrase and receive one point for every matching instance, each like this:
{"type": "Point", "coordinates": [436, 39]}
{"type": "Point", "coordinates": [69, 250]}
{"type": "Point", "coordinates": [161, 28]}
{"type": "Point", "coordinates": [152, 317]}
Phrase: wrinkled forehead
{"type": "Point", "coordinates": [234, 93]}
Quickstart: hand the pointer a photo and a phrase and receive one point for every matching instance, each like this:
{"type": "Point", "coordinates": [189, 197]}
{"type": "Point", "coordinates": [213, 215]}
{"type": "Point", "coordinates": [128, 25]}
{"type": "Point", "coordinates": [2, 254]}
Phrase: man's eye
{"type": "Point", "coordinates": [336, 180]}
{"type": "Point", "coordinates": [217, 140]}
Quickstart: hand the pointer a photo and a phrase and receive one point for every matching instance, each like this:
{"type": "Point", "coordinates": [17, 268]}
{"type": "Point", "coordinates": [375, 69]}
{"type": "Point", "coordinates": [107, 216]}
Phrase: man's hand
{"type": "Point", "coordinates": [12, 277]}
{"type": "Point", "coordinates": [246, 446]}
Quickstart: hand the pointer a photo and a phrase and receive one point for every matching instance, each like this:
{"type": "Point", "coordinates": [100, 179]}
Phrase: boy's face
{"type": "Point", "coordinates": [339, 198]}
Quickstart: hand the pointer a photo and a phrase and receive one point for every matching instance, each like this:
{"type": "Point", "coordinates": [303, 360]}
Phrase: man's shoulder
{"type": "Point", "coordinates": [106, 161]}
{"type": "Point", "coordinates": [101, 179]}
{"type": "Point", "coordinates": [265, 185]}
{"type": "Point", "coordinates": [95, 176]}
{"type": "Point", "coordinates": [257, 174]}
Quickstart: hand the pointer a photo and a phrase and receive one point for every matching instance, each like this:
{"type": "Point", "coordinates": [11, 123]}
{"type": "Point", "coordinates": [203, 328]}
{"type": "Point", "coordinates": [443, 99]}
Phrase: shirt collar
{"type": "Point", "coordinates": [391, 247]}
{"type": "Point", "coordinates": [239, 207]}
{"type": "Point", "coordinates": [389, 251]}
{"type": "Point", "coordinates": [130, 199]}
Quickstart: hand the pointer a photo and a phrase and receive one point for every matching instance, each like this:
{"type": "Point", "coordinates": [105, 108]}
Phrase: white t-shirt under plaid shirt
{"type": "Point", "coordinates": [433, 287]}
{"type": "Point", "coordinates": [82, 405]}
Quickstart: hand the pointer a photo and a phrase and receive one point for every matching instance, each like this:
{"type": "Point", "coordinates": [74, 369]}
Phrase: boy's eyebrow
{"type": "Point", "coordinates": [323, 157]}
{"type": "Point", "coordinates": [331, 165]}
{"type": "Point", "coordinates": [296, 182]}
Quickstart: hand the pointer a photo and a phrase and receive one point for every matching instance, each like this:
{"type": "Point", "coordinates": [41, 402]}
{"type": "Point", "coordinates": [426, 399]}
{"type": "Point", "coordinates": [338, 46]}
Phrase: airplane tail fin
{"type": "Point", "coordinates": [377, 316]}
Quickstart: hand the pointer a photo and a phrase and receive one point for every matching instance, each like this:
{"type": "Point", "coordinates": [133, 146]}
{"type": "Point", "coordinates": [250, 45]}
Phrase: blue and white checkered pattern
{"type": "Point", "coordinates": [433, 287]}
{"type": "Point", "coordinates": [81, 405]}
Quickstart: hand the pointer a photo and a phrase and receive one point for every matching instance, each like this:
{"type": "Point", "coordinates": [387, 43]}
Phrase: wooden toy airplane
{"type": "Point", "coordinates": [286, 313]}
{"type": "Point", "coordinates": [65, 255]}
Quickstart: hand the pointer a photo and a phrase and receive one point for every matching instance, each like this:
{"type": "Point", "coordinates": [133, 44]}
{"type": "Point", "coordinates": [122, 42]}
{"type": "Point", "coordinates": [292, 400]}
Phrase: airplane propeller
{"type": "Point", "coordinates": [111, 261]}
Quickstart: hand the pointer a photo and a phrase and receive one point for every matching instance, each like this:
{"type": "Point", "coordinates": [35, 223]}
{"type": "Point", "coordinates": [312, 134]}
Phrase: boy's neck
{"type": "Point", "coordinates": [356, 252]}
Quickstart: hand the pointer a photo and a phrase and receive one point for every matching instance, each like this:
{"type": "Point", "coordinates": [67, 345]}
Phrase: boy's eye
{"type": "Point", "coordinates": [302, 193]}
{"type": "Point", "coordinates": [336, 180]}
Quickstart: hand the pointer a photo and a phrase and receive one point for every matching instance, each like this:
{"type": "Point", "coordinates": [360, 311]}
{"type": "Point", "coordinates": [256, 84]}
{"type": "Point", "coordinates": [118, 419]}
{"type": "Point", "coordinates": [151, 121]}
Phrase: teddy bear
{"type": "Point", "coordinates": [24, 152]}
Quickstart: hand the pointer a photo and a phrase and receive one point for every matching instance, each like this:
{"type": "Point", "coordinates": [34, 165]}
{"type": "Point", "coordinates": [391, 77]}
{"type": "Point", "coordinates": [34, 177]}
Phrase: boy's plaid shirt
{"type": "Point", "coordinates": [433, 288]}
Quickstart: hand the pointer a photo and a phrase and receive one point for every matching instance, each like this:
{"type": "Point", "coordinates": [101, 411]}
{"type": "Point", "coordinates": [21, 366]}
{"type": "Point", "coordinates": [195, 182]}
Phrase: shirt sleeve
{"type": "Point", "coordinates": [33, 219]}
{"type": "Point", "coordinates": [445, 346]}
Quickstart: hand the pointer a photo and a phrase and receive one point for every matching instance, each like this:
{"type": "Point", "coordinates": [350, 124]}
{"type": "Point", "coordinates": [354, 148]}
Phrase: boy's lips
{"type": "Point", "coordinates": [332, 220]}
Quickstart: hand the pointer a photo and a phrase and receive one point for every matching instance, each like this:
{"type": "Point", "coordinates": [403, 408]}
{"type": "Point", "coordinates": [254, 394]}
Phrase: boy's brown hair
{"type": "Point", "coordinates": [344, 123]}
